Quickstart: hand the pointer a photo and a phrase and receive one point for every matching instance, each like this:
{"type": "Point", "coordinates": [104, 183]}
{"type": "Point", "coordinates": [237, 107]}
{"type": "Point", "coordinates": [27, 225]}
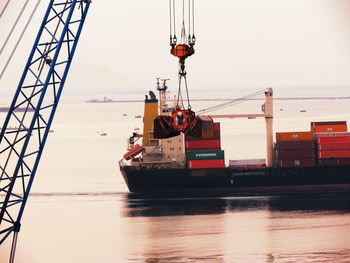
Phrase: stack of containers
{"type": "Point", "coordinates": [329, 126]}
{"type": "Point", "coordinates": [295, 149]}
{"type": "Point", "coordinates": [205, 153]}
{"type": "Point", "coordinates": [333, 143]}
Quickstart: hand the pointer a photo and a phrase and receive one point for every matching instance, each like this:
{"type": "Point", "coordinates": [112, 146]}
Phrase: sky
{"type": "Point", "coordinates": [298, 47]}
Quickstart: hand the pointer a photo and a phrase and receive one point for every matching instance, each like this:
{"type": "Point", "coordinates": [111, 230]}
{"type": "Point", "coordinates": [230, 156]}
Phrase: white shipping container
{"type": "Point", "coordinates": [247, 162]}
{"type": "Point", "coordinates": [318, 134]}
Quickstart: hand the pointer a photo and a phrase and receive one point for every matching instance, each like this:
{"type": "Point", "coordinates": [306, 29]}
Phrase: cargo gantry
{"type": "Point", "coordinates": [39, 91]}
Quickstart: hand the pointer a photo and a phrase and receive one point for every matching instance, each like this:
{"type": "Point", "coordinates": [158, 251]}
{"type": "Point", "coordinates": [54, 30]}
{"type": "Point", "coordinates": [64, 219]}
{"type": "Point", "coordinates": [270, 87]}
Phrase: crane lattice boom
{"type": "Point", "coordinates": [38, 92]}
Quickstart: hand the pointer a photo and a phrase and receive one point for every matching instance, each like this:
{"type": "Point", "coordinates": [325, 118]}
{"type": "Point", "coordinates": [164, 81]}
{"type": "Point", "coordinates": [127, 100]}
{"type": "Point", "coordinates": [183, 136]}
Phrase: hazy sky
{"type": "Point", "coordinates": [249, 44]}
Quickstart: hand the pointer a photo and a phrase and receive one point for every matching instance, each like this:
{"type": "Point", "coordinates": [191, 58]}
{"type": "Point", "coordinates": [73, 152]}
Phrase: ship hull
{"type": "Point", "coordinates": [228, 180]}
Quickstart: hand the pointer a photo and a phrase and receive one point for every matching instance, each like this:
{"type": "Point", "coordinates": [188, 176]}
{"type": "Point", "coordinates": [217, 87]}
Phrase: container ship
{"type": "Point", "coordinates": [313, 160]}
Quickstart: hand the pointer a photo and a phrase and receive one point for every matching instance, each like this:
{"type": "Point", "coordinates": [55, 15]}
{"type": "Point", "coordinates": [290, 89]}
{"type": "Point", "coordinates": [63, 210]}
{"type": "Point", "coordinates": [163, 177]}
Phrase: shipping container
{"type": "Point", "coordinates": [333, 146]}
{"type": "Point", "coordinates": [333, 162]}
{"type": "Point", "coordinates": [203, 144]}
{"type": "Point", "coordinates": [216, 126]}
{"type": "Point", "coordinates": [318, 134]}
{"type": "Point", "coordinates": [294, 136]}
{"type": "Point", "coordinates": [291, 154]}
{"type": "Point", "coordinates": [196, 164]}
{"type": "Point", "coordinates": [307, 162]}
{"type": "Point", "coordinates": [333, 139]}
{"type": "Point", "coordinates": [330, 128]}
{"type": "Point", "coordinates": [248, 163]}
{"type": "Point", "coordinates": [327, 123]}
{"type": "Point", "coordinates": [203, 149]}
{"type": "Point", "coordinates": [192, 138]}
{"type": "Point", "coordinates": [293, 145]}
{"type": "Point", "coordinates": [333, 154]}
{"type": "Point", "coordinates": [205, 155]}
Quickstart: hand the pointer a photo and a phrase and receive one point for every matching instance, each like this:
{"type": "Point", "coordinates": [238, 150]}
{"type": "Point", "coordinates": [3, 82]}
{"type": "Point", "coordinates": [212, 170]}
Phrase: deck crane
{"type": "Point", "coordinates": [267, 109]}
{"type": "Point", "coordinates": [38, 92]}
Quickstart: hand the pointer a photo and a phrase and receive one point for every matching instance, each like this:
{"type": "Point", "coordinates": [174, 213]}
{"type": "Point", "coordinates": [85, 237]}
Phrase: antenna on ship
{"type": "Point", "coordinates": [162, 88]}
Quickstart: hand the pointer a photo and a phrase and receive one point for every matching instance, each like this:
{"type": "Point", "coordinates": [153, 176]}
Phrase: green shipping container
{"type": "Point", "coordinates": [205, 155]}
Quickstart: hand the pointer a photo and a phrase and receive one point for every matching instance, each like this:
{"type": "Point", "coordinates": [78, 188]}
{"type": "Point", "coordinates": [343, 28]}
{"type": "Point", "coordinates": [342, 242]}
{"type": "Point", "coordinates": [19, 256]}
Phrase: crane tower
{"type": "Point", "coordinates": [33, 108]}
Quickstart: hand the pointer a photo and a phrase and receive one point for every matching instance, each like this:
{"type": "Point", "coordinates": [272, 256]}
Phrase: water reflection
{"type": "Point", "coordinates": [332, 202]}
{"type": "Point", "coordinates": [153, 206]}
{"type": "Point", "coordinates": [264, 229]}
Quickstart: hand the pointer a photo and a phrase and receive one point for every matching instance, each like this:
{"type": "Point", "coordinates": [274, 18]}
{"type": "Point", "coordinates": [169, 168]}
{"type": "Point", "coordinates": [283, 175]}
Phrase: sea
{"type": "Point", "coordinates": [80, 209]}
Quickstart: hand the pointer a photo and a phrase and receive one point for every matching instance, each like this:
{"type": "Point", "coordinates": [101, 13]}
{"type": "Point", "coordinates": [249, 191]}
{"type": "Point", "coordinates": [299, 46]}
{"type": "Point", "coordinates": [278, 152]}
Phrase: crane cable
{"type": "Point", "coordinates": [173, 38]}
{"type": "Point", "coordinates": [254, 95]}
{"type": "Point", "coordinates": [191, 39]}
{"type": "Point", "coordinates": [19, 39]}
{"type": "Point", "coordinates": [183, 39]}
{"type": "Point", "coordinates": [3, 10]}
{"type": "Point", "coordinates": [232, 102]}
{"type": "Point", "coordinates": [13, 27]}
{"type": "Point", "coordinates": [34, 88]}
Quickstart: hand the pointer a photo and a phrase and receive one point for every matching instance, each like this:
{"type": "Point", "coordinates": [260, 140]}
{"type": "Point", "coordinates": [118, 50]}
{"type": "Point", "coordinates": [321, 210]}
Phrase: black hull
{"type": "Point", "coordinates": [225, 180]}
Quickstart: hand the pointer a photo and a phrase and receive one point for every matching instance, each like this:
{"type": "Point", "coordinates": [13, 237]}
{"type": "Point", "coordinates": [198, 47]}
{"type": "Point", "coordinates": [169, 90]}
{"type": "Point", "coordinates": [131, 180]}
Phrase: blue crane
{"type": "Point", "coordinates": [33, 109]}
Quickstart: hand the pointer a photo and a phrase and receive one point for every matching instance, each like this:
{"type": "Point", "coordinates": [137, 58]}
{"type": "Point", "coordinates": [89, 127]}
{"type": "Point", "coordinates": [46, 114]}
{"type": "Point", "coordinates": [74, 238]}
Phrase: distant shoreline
{"type": "Point", "coordinates": [287, 98]}
{"type": "Point", "coordinates": [6, 109]}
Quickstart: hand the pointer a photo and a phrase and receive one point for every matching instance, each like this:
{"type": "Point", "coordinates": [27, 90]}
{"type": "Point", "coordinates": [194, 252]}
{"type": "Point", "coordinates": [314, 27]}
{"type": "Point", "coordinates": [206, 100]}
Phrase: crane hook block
{"type": "Point", "coordinates": [182, 51]}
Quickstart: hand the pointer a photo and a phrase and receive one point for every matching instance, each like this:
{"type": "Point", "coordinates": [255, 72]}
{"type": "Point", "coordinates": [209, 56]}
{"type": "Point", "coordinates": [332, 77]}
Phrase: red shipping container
{"type": "Point", "coordinates": [330, 128]}
{"type": "Point", "coordinates": [203, 149]}
{"type": "Point", "coordinates": [333, 146]}
{"type": "Point", "coordinates": [307, 162]}
{"type": "Point", "coordinates": [333, 162]}
{"type": "Point", "coordinates": [291, 154]}
{"type": "Point", "coordinates": [294, 136]}
{"type": "Point", "coordinates": [333, 139]}
{"type": "Point", "coordinates": [327, 123]}
{"type": "Point", "coordinates": [192, 138]}
{"type": "Point", "coordinates": [216, 126]}
{"type": "Point", "coordinates": [203, 144]}
{"type": "Point", "coordinates": [196, 164]}
{"type": "Point", "coordinates": [294, 145]}
{"type": "Point", "coordinates": [334, 154]}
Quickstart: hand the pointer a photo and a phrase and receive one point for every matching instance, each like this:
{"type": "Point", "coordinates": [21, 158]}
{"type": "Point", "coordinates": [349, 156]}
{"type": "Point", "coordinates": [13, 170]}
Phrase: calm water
{"type": "Point", "coordinates": [80, 209]}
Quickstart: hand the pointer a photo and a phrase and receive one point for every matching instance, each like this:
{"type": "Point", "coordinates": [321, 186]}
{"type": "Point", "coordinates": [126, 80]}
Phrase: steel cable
{"type": "Point", "coordinates": [30, 98]}
{"type": "Point", "coordinates": [233, 102]}
{"type": "Point", "coordinates": [193, 18]}
{"type": "Point", "coordinates": [3, 10]}
{"type": "Point", "coordinates": [13, 27]}
{"type": "Point", "coordinates": [171, 33]}
{"type": "Point", "coordinates": [174, 21]}
{"type": "Point", "coordinates": [19, 39]}
{"type": "Point", "coordinates": [189, 20]}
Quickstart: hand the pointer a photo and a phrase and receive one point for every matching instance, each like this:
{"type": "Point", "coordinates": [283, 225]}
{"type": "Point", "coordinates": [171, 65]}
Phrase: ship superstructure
{"type": "Point", "coordinates": [154, 152]}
